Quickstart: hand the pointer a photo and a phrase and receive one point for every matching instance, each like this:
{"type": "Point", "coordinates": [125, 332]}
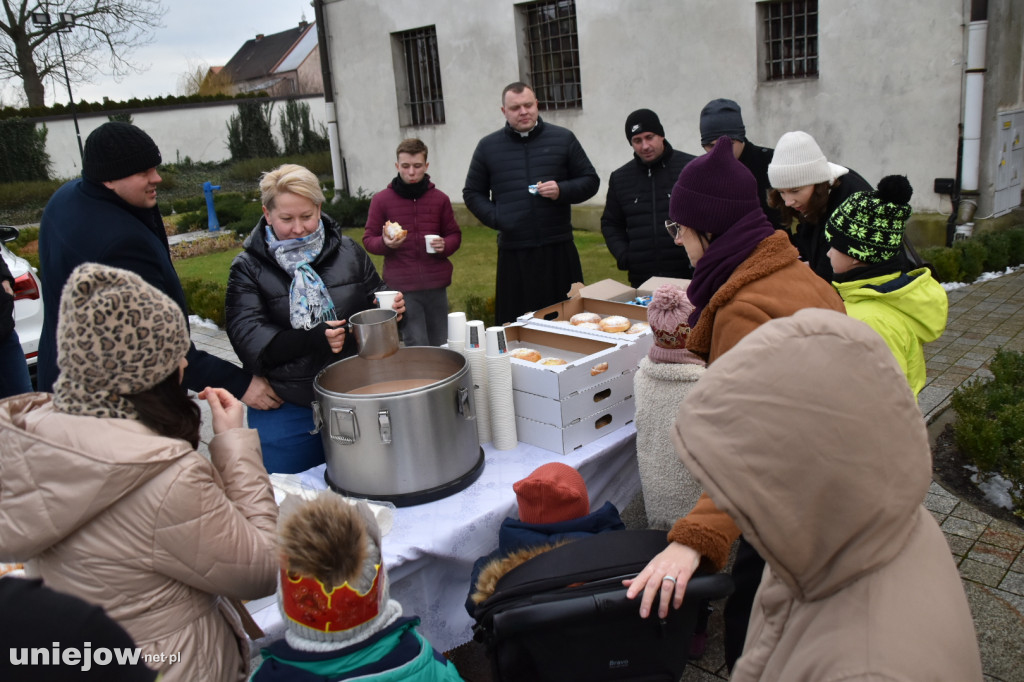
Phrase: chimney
{"type": "Point", "coordinates": [259, 37]}
{"type": "Point", "coordinates": [303, 24]}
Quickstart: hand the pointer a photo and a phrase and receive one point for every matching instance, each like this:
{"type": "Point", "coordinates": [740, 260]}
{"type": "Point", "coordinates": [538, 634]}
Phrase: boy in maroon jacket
{"type": "Point", "coordinates": [416, 255]}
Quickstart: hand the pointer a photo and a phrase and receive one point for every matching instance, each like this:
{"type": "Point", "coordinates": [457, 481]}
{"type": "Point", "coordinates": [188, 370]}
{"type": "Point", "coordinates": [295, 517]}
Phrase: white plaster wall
{"type": "Point", "coordinates": [197, 131]}
{"type": "Point", "coordinates": [887, 100]}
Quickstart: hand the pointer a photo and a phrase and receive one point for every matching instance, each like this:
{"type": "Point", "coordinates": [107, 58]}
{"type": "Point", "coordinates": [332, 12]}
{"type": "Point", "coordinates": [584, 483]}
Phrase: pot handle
{"type": "Point", "coordinates": [343, 426]}
{"type": "Point", "coordinates": [462, 403]}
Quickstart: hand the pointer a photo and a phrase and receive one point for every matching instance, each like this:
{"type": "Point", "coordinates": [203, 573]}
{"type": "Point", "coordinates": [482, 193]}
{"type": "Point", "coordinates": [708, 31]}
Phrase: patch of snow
{"type": "Point", "coordinates": [196, 321]}
{"type": "Point", "coordinates": [995, 487]}
{"type": "Point", "coordinates": [984, 277]}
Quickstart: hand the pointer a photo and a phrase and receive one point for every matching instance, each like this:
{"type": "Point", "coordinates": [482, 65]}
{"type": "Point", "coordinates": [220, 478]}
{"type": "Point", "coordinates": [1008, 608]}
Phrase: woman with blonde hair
{"type": "Point", "coordinates": [104, 496]}
{"type": "Point", "coordinates": [289, 295]}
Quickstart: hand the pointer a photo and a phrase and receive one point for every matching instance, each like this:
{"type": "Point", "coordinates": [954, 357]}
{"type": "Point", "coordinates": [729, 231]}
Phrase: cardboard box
{"type": "Point", "coordinates": [562, 413]}
{"type": "Point", "coordinates": [557, 316]}
{"type": "Point", "coordinates": [583, 356]}
{"type": "Point", "coordinates": [648, 287]}
{"type": "Point", "coordinates": [612, 290]}
{"type": "Point", "coordinates": [578, 433]}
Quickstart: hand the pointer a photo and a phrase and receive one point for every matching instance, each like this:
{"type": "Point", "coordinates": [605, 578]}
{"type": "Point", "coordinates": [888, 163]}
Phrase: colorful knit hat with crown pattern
{"type": "Point", "coordinates": [869, 226]}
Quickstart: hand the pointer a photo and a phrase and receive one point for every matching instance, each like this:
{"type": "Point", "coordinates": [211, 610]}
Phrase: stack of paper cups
{"type": "Point", "coordinates": [475, 356]}
{"type": "Point", "coordinates": [499, 390]}
{"type": "Point", "coordinates": [457, 332]}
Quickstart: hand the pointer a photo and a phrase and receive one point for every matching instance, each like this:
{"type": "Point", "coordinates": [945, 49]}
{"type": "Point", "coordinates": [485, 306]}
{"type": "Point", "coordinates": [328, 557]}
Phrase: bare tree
{"type": "Point", "coordinates": [104, 35]}
{"type": "Point", "coordinates": [201, 79]}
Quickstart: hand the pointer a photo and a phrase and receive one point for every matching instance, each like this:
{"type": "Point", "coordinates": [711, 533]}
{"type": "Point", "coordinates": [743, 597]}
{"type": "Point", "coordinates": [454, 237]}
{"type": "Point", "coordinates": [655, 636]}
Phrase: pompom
{"type": "Point", "coordinates": [894, 189]}
{"type": "Point", "coordinates": [668, 298]}
{"type": "Point", "coordinates": [326, 539]}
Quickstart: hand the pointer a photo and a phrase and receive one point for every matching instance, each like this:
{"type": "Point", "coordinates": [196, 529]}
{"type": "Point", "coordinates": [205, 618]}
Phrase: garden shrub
{"type": "Point", "coordinates": [23, 154]}
{"type": "Point", "coordinates": [250, 170]}
{"type": "Point", "coordinates": [972, 259]}
{"type": "Point", "coordinates": [946, 262]}
{"type": "Point", "coordinates": [15, 195]}
{"type": "Point", "coordinates": [205, 299]}
{"type": "Point", "coordinates": [989, 427]}
{"type": "Point", "coordinates": [349, 211]}
{"type": "Point", "coordinates": [997, 250]}
{"type": "Point", "coordinates": [249, 131]}
{"type": "Point", "coordinates": [297, 133]}
{"type": "Point", "coordinates": [1016, 245]}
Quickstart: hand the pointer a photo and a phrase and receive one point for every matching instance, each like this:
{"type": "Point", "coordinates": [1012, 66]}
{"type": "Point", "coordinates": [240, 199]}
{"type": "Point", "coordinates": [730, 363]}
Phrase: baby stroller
{"type": "Point", "coordinates": [563, 615]}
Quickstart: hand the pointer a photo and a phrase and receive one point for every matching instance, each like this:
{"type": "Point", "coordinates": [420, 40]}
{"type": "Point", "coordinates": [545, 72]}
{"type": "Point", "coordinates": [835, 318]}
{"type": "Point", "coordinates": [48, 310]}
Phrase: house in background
{"type": "Point", "coordinates": [282, 64]}
{"type": "Point", "coordinates": [926, 88]}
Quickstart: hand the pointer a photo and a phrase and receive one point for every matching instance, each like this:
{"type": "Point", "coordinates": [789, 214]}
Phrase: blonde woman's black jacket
{"type": "Point", "coordinates": [257, 309]}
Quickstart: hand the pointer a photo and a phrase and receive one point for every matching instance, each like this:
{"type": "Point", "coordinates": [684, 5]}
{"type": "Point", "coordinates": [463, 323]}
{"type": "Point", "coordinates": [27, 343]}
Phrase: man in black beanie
{"type": "Point", "coordinates": [723, 117]}
{"type": "Point", "coordinates": [110, 216]}
{"type": "Point", "coordinates": [635, 210]}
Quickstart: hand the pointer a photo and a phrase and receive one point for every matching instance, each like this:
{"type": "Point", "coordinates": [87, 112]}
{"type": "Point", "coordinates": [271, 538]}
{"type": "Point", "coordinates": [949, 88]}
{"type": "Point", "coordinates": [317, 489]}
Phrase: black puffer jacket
{"type": "Point", "coordinates": [756, 159]}
{"type": "Point", "coordinates": [6, 303]}
{"type": "Point", "coordinates": [257, 306]}
{"type": "Point", "coordinates": [633, 222]}
{"type": "Point", "coordinates": [506, 163]}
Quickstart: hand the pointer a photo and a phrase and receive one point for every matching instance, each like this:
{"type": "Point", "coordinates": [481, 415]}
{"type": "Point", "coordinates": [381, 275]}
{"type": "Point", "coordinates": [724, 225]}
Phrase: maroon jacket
{"type": "Point", "coordinates": [410, 267]}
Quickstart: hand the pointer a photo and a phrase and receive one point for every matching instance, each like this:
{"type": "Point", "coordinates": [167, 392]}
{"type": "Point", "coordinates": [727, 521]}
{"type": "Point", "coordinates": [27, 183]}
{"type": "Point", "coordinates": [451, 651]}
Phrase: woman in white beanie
{"type": "Point", "coordinates": [105, 497]}
{"type": "Point", "coordinates": [807, 188]}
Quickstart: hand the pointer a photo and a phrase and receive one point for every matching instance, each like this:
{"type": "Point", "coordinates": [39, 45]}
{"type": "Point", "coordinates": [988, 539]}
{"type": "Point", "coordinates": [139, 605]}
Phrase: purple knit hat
{"type": "Point", "coordinates": [667, 314]}
{"type": "Point", "coordinates": [713, 191]}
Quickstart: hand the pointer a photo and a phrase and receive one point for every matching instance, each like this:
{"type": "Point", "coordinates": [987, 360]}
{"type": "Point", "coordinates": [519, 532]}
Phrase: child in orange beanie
{"type": "Point", "coordinates": [554, 508]}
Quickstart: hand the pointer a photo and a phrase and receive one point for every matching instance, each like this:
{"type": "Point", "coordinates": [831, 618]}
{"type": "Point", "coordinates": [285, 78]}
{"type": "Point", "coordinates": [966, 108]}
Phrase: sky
{"type": "Point", "coordinates": [195, 32]}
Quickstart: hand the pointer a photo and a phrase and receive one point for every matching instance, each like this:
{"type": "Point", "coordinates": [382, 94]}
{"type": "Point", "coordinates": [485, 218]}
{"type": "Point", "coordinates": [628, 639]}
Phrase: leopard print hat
{"type": "Point", "coordinates": [117, 335]}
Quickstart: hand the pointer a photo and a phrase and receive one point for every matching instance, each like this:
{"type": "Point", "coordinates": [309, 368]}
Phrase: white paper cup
{"type": "Point", "coordinates": [495, 344]}
{"type": "Point", "coordinates": [386, 299]}
{"type": "Point", "coordinates": [429, 238]}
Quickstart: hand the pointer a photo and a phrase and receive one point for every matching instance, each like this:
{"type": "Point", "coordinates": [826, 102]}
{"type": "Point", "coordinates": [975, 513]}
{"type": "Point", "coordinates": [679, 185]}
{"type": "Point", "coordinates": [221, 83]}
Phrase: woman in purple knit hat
{"type": "Point", "coordinates": [745, 273]}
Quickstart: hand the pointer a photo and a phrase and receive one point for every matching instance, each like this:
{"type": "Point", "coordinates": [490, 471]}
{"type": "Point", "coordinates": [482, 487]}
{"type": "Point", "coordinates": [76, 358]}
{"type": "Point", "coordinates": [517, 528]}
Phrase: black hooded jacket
{"type": "Point", "coordinates": [633, 222]}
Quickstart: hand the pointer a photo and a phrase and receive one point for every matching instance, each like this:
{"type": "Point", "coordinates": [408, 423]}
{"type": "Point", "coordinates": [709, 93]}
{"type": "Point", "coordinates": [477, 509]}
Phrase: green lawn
{"type": "Point", "coordinates": [474, 263]}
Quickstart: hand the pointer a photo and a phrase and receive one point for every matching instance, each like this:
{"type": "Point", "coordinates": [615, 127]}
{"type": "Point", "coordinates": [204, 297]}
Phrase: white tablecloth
{"type": "Point", "coordinates": [430, 550]}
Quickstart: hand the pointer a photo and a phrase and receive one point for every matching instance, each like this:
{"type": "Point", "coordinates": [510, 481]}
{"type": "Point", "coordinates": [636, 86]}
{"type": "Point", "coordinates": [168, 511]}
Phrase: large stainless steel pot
{"type": "Point", "coordinates": [410, 441]}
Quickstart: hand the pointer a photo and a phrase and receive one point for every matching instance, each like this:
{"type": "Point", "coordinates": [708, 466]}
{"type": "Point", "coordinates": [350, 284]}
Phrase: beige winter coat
{"type": "Point", "coordinates": [808, 436]}
{"type": "Point", "coordinates": [143, 526]}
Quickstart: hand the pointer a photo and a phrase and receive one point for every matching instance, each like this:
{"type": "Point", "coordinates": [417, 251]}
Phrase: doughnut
{"type": "Point", "coordinates": [552, 361]}
{"type": "Point", "coordinates": [598, 369]}
{"type": "Point", "coordinates": [614, 323]}
{"type": "Point", "coordinates": [588, 325]}
{"type": "Point", "coordinates": [528, 354]}
{"type": "Point", "coordinates": [393, 230]}
{"type": "Point", "coordinates": [580, 318]}
{"type": "Point", "coordinates": [638, 327]}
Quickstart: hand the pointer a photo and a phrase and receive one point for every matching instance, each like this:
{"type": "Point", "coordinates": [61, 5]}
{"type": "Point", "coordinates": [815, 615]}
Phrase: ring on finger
{"type": "Point", "coordinates": [668, 577]}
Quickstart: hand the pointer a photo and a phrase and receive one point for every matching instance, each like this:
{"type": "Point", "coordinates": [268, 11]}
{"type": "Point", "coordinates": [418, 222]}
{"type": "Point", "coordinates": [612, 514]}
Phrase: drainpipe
{"type": "Point", "coordinates": [974, 95]}
{"type": "Point", "coordinates": [337, 162]}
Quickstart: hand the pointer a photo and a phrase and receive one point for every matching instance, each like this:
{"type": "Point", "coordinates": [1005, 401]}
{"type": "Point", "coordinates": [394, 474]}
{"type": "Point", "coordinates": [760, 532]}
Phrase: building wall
{"type": "Point", "coordinates": [887, 99]}
{"type": "Point", "coordinates": [311, 76]}
{"type": "Point", "coordinates": [199, 132]}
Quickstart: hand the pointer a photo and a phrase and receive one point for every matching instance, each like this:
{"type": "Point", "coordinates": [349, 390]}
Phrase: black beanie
{"type": "Point", "coordinates": [116, 150]}
{"type": "Point", "coordinates": [643, 121]}
{"type": "Point", "coordinates": [721, 117]}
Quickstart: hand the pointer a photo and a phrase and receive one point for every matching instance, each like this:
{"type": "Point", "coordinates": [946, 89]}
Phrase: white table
{"type": "Point", "coordinates": [430, 550]}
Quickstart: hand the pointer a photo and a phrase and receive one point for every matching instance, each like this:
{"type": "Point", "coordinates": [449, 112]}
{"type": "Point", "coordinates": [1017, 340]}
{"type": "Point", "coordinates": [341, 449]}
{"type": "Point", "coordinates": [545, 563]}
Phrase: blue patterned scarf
{"type": "Point", "coordinates": [309, 302]}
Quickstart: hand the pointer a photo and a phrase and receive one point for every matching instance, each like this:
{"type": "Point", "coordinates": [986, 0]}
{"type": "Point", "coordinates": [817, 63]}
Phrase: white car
{"type": "Point", "coordinates": [28, 298]}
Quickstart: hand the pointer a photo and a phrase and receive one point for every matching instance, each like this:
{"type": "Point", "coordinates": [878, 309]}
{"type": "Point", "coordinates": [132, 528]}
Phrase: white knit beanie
{"type": "Point", "coordinates": [798, 161]}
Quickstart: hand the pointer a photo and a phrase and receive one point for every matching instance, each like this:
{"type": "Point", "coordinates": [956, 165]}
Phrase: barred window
{"type": "Point", "coordinates": [790, 39]}
{"type": "Point", "coordinates": [418, 77]}
{"type": "Point", "coordinates": [552, 53]}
